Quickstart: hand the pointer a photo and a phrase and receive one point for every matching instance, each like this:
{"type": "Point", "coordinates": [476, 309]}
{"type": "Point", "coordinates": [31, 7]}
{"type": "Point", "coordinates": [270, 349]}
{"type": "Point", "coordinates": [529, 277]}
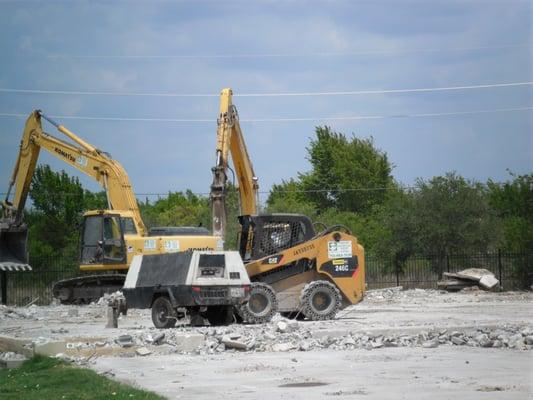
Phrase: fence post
{"type": "Point", "coordinates": [3, 288]}
{"type": "Point", "coordinates": [397, 266]}
{"type": "Point", "coordinates": [447, 262]}
{"type": "Point", "coordinates": [500, 269]}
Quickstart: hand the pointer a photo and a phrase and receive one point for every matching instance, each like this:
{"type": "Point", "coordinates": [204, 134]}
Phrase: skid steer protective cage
{"type": "Point", "coordinates": [264, 235]}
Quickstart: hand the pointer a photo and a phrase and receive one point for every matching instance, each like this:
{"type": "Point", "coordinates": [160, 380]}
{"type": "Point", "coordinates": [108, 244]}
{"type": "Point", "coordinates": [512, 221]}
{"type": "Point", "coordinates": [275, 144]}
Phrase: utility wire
{"type": "Point", "coordinates": [304, 119]}
{"type": "Point", "coordinates": [286, 94]}
{"type": "Point", "coordinates": [282, 55]}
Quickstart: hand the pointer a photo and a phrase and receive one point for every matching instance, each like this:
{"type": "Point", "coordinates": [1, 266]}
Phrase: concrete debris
{"type": "Point", "coordinates": [468, 278]}
{"type": "Point", "coordinates": [11, 360]}
{"type": "Point", "coordinates": [86, 339]}
{"type": "Point", "coordinates": [109, 299]}
{"type": "Point", "coordinates": [282, 326]}
{"type": "Point", "coordinates": [124, 341]}
{"type": "Point", "coordinates": [158, 338]}
{"type": "Point", "coordinates": [143, 351]}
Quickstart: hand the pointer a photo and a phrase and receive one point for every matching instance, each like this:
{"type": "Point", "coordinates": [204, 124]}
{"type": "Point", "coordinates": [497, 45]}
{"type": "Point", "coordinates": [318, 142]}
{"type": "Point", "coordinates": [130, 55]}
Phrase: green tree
{"type": "Point", "coordinates": [444, 215]}
{"type": "Point", "coordinates": [513, 203]}
{"type": "Point", "coordinates": [189, 209]}
{"type": "Point", "coordinates": [349, 174]}
{"type": "Point", "coordinates": [58, 201]}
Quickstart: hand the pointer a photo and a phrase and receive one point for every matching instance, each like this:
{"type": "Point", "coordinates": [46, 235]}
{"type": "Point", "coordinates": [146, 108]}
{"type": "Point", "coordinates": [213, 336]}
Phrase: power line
{"type": "Point", "coordinates": [282, 55]}
{"type": "Point", "coordinates": [286, 94]}
{"type": "Point", "coordinates": [340, 190]}
{"type": "Point", "coordinates": [303, 119]}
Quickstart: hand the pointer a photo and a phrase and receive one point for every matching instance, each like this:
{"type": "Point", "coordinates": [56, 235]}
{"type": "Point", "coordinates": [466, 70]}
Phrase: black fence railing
{"type": "Point", "coordinates": [514, 271]}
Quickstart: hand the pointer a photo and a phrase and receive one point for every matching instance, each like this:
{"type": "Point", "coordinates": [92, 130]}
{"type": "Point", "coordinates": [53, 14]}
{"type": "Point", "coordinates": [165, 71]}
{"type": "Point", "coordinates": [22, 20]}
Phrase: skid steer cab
{"type": "Point", "coordinates": [203, 285]}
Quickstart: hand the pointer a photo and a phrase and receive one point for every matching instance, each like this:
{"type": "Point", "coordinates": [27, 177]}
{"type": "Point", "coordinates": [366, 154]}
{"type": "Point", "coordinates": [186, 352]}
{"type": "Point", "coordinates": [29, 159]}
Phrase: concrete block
{"type": "Point", "coordinates": [230, 343]}
{"type": "Point", "coordinates": [189, 342]}
{"type": "Point", "coordinates": [9, 364]}
{"type": "Point", "coordinates": [16, 345]}
{"type": "Point", "coordinates": [488, 281]}
{"type": "Point", "coordinates": [281, 347]}
{"type": "Point", "coordinates": [143, 351]}
{"type": "Point", "coordinates": [333, 333]}
{"type": "Point", "coordinates": [49, 348]}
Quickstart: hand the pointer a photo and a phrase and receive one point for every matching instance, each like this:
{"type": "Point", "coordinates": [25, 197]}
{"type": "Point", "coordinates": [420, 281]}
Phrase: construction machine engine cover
{"type": "Point", "coordinates": [197, 278]}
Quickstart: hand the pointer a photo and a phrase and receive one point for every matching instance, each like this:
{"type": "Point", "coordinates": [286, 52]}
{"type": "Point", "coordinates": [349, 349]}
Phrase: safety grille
{"type": "Point", "coordinates": [213, 293]}
{"type": "Point", "coordinates": [280, 235]}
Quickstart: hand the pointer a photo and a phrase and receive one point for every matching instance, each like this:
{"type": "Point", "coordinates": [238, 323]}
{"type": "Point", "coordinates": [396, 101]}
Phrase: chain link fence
{"type": "Point", "coordinates": [514, 271]}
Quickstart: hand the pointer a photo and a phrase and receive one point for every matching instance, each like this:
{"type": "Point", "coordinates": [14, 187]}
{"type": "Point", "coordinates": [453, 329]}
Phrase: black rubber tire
{"type": "Point", "coordinates": [219, 315]}
{"type": "Point", "coordinates": [261, 306]}
{"type": "Point", "coordinates": [320, 300]}
{"type": "Point", "coordinates": [164, 316]}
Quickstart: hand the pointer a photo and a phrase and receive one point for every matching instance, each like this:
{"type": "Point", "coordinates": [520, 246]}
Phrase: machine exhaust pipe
{"type": "Point", "coordinates": [13, 245]}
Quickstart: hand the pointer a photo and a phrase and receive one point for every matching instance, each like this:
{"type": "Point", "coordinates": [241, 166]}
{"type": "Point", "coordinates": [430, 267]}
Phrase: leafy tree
{"type": "Point", "coordinates": [454, 215]}
{"type": "Point", "coordinates": [177, 209]}
{"type": "Point", "coordinates": [288, 197]}
{"type": "Point", "coordinates": [513, 202]}
{"type": "Point", "coordinates": [343, 171]}
{"type": "Point", "coordinates": [446, 214]}
{"type": "Point", "coordinates": [188, 209]}
{"type": "Point", "coordinates": [58, 201]}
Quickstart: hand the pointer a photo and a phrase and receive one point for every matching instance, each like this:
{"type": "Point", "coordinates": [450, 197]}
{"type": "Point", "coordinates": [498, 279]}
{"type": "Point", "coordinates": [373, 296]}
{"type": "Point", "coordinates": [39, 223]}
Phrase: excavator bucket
{"type": "Point", "coordinates": [13, 246]}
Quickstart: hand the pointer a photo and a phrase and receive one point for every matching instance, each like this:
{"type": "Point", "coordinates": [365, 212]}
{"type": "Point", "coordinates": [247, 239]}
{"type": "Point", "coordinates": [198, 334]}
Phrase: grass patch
{"type": "Point", "coordinates": [47, 378]}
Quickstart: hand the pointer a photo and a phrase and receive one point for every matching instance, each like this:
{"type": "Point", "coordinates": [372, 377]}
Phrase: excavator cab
{"type": "Point", "coordinates": [102, 239]}
{"type": "Point", "coordinates": [265, 235]}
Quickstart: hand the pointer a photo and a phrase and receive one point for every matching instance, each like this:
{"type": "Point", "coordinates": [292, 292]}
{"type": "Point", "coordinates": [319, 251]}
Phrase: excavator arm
{"type": "Point", "coordinates": [82, 156]}
{"type": "Point", "coordinates": [231, 141]}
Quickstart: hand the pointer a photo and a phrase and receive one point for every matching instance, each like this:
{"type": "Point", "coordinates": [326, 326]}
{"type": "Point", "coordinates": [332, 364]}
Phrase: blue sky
{"type": "Point", "coordinates": [377, 45]}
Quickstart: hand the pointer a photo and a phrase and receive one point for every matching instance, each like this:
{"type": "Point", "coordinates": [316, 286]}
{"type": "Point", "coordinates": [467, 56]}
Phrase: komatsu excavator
{"type": "Point", "coordinates": [109, 238]}
{"type": "Point", "coordinates": [293, 269]}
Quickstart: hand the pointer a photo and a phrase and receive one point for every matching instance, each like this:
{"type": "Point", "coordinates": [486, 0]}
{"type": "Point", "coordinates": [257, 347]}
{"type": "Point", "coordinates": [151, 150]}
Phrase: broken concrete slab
{"type": "Point", "coordinates": [143, 351]}
{"type": "Point", "coordinates": [188, 342]}
{"type": "Point", "coordinates": [16, 345]}
{"type": "Point", "coordinates": [468, 278]}
{"type": "Point", "coordinates": [280, 347]}
{"type": "Point", "coordinates": [50, 348]}
{"type": "Point", "coordinates": [11, 360]}
{"type": "Point", "coordinates": [488, 281]}
{"type": "Point", "coordinates": [233, 344]}
{"type": "Point", "coordinates": [474, 274]}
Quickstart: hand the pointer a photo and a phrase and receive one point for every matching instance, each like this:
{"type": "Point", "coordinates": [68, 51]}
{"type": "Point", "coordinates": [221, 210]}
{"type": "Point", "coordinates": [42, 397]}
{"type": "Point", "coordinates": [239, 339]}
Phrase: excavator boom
{"type": "Point", "coordinates": [231, 141]}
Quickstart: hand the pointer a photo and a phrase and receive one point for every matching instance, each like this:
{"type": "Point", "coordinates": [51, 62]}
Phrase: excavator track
{"type": "Point", "coordinates": [88, 288]}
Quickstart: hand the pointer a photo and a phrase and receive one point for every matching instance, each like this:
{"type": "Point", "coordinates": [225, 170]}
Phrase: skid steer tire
{"type": "Point", "coordinates": [320, 300]}
{"type": "Point", "coordinates": [219, 315]}
{"type": "Point", "coordinates": [261, 306]}
{"type": "Point", "coordinates": [164, 316]}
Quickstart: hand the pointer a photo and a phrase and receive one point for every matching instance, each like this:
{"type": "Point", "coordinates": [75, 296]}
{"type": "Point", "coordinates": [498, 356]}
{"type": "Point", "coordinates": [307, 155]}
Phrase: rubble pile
{"type": "Point", "coordinates": [12, 313]}
{"type": "Point", "coordinates": [291, 335]}
{"type": "Point", "coordinates": [466, 278]}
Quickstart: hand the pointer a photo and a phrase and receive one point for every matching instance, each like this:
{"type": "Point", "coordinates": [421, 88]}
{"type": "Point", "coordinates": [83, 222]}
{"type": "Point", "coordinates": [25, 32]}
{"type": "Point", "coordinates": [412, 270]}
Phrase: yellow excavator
{"type": "Point", "coordinates": [109, 238]}
{"type": "Point", "coordinates": [293, 268]}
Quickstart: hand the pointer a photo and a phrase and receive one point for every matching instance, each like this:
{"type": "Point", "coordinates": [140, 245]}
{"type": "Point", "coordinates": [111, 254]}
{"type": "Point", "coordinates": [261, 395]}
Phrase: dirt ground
{"type": "Point", "coordinates": [395, 344]}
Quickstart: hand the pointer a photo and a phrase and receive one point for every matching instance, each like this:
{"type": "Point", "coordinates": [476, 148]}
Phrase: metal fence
{"type": "Point", "coordinates": [514, 271]}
